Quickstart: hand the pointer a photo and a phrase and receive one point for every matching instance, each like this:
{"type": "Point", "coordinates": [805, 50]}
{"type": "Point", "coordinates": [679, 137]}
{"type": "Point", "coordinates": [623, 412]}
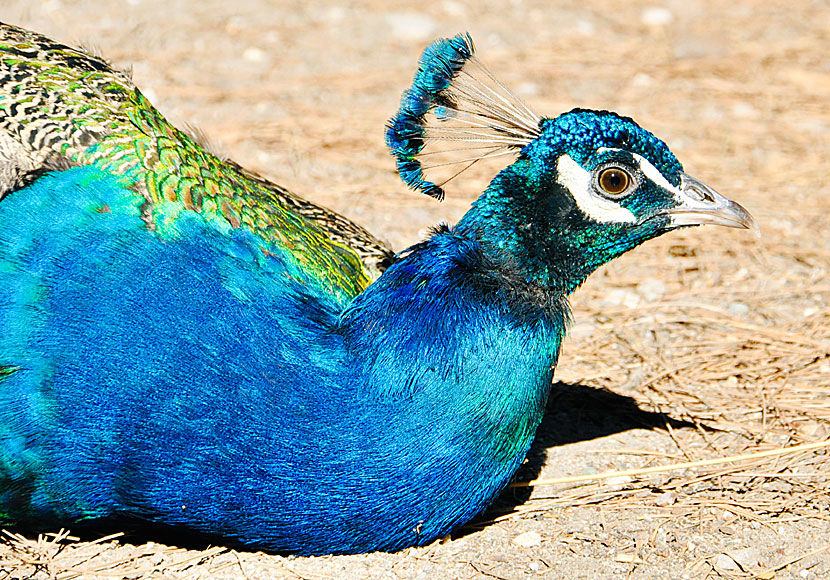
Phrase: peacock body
{"type": "Point", "coordinates": [173, 365]}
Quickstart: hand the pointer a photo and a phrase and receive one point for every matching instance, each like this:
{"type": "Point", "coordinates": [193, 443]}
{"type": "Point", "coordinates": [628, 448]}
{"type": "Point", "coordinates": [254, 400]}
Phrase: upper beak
{"type": "Point", "coordinates": [700, 204]}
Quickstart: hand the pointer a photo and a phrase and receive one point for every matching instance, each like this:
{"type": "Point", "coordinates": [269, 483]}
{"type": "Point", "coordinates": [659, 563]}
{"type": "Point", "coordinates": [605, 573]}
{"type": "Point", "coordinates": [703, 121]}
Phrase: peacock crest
{"type": "Point", "coordinates": [455, 114]}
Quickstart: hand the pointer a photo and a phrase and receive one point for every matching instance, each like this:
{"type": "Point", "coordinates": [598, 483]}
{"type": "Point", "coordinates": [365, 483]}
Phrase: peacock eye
{"type": "Point", "coordinates": [614, 181]}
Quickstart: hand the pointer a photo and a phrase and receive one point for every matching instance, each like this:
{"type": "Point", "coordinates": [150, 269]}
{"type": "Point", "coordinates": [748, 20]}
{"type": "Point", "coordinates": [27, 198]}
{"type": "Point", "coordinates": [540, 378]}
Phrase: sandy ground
{"type": "Point", "coordinates": [703, 344]}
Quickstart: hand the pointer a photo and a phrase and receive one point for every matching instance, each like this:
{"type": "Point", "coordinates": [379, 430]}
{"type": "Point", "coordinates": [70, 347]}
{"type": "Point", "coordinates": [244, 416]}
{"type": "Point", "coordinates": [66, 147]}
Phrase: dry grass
{"type": "Point", "coordinates": [61, 556]}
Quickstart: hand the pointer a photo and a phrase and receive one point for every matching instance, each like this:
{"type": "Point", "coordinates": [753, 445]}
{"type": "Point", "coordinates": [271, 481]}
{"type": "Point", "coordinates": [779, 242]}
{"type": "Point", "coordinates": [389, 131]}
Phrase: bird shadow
{"type": "Point", "coordinates": [574, 413]}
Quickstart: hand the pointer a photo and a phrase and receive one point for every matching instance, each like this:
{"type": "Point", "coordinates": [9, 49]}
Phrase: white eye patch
{"type": "Point", "coordinates": [579, 183]}
{"type": "Point", "coordinates": [653, 174]}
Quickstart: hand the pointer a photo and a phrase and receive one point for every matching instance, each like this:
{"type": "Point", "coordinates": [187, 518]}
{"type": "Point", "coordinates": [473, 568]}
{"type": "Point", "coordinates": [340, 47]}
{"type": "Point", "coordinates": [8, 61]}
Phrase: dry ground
{"type": "Point", "coordinates": [702, 345]}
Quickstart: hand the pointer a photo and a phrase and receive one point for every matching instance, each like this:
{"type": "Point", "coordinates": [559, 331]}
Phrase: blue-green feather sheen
{"type": "Point", "coordinates": [581, 132]}
{"type": "Point", "coordinates": [185, 376]}
{"type": "Point", "coordinates": [528, 216]}
{"type": "Point", "coordinates": [440, 63]}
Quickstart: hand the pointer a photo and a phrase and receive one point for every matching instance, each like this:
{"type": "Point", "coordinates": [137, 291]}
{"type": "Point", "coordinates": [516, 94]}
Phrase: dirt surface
{"type": "Point", "coordinates": [703, 344]}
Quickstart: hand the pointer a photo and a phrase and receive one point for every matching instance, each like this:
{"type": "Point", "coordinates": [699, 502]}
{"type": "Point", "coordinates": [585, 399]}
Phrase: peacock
{"type": "Point", "coordinates": [184, 344]}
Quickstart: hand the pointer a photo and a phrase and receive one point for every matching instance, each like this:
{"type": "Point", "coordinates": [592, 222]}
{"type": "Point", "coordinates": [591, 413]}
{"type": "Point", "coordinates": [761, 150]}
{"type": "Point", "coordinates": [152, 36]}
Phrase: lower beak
{"type": "Point", "coordinates": [700, 205]}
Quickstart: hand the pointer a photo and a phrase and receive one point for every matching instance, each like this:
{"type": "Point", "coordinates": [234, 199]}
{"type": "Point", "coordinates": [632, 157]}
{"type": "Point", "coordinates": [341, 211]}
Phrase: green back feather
{"type": "Point", "coordinates": [61, 106]}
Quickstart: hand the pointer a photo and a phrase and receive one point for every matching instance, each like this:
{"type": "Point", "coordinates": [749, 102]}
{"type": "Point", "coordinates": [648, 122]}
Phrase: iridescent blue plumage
{"type": "Point", "coordinates": [184, 377]}
{"type": "Point", "coordinates": [187, 373]}
{"type": "Point", "coordinates": [582, 133]}
{"type": "Point", "coordinates": [439, 65]}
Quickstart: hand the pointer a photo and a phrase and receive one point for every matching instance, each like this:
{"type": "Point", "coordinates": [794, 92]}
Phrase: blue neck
{"type": "Point", "coordinates": [447, 300]}
{"type": "Point", "coordinates": [463, 349]}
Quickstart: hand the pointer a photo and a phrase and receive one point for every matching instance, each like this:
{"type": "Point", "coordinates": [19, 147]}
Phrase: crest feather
{"type": "Point", "coordinates": [455, 113]}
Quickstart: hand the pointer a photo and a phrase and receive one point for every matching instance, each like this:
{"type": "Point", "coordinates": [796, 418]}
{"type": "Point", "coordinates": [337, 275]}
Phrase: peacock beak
{"type": "Point", "coordinates": [699, 204]}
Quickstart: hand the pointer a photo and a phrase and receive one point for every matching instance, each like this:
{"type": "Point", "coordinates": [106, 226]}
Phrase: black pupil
{"type": "Point", "coordinates": [614, 181]}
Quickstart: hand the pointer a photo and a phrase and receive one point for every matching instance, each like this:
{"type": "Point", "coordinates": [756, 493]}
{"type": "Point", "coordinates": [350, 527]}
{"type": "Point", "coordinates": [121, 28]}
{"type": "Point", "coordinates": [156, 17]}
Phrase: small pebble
{"type": "Point", "coordinates": [156, 559]}
{"type": "Point", "coordinates": [456, 9]}
{"type": "Point", "coordinates": [618, 480]}
{"type": "Point", "coordinates": [528, 539]}
{"type": "Point", "coordinates": [656, 16]}
{"type": "Point", "coordinates": [651, 289]}
{"type": "Point", "coordinates": [724, 562]}
{"type": "Point", "coordinates": [411, 26]}
{"type": "Point", "coordinates": [254, 54]}
{"type": "Point", "coordinates": [620, 297]}
{"type": "Point", "coordinates": [746, 557]}
{"type": "Point", "coordinates": [738, 309]}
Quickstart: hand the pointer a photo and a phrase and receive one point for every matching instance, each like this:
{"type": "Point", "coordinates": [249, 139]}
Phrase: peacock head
{"type": "Point", "coordinates": [586, 186]}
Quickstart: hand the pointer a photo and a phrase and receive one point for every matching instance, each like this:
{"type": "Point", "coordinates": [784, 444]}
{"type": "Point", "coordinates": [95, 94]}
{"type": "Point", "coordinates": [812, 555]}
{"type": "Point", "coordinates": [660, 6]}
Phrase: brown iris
{"type": "Point", "coordinates": [614, 180]}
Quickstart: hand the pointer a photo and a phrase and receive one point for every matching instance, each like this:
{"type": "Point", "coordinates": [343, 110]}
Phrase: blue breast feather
{"type": "Point", "coordinates": [183, 374]}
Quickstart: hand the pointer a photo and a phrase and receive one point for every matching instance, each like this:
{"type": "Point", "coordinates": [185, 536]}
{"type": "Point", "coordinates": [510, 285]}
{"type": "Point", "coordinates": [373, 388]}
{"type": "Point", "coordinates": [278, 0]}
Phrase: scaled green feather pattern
{"type": "Point", "coordinates": [63, 107]}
